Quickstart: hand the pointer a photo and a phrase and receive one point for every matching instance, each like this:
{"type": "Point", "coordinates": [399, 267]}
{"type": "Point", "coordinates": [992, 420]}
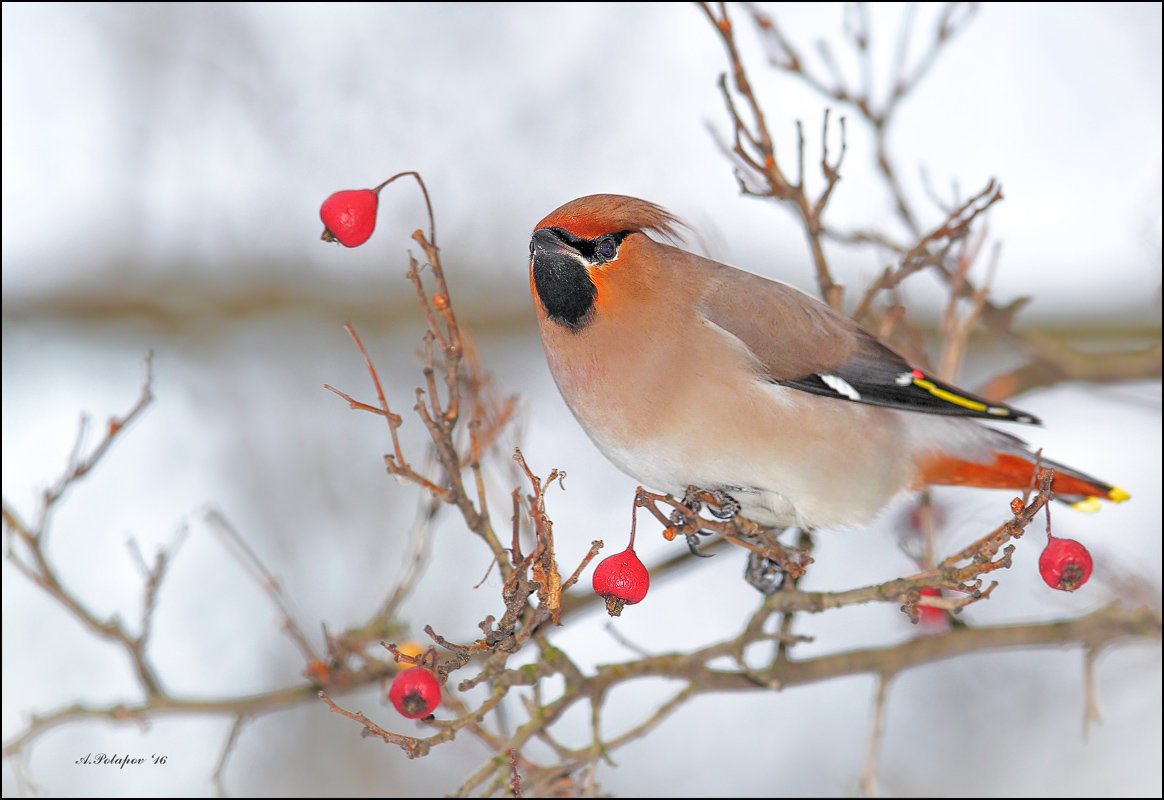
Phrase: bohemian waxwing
{"type": "Point", "coordinates": [687, 372]}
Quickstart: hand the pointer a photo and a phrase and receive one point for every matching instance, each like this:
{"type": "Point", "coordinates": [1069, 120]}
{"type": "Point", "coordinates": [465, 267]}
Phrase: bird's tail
{"type": "Point", "coordinates": [1016, 470]}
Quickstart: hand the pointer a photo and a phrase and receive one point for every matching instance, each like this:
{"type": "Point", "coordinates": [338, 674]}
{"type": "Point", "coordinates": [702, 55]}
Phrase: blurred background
{"type": "Point", "coordinates": [163, 167]}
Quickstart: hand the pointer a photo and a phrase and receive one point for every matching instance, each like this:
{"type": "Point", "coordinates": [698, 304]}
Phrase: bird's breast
{"type": "Point", "coordinates": [677, 411]}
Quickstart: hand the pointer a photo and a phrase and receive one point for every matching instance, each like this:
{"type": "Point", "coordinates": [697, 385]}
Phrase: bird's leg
{"type": "Point", "coordinates": [772, 563]}
{"type": "Point", "coordinates": [687, 523]}
{"type": "Point", "coordinates": [693, 499]}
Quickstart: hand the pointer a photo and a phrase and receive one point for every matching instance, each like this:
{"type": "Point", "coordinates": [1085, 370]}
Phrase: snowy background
{"type": "Point", "coordinates": [162, 171]}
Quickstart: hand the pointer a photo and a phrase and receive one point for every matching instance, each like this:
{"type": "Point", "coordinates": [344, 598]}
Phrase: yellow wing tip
{"type": "Point", "coordinates": [1088, 505]}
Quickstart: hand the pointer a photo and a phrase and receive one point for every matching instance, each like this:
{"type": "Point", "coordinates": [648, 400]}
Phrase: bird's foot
{"type": "Point", "coordinates": [772, 564]}
{"type": "Point", "coordinates": [720, 504]}
{"type": "Point", "coordinates": [764, 574]}
{"type": "Point", "coordinates": [693, 499]}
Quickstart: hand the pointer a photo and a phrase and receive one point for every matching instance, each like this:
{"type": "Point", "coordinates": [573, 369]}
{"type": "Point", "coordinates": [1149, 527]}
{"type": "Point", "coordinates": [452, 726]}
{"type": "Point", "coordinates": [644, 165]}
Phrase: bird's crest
{"type": "Point", "coordinates": [599, 214]}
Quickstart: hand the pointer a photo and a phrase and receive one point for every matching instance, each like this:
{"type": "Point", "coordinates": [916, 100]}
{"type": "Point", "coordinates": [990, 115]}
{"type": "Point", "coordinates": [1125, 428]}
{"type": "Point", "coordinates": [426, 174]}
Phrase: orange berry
{"type": "Point", "coordinates": [317, 672]}
{"type": "Point", "coordinates": [413, 649]}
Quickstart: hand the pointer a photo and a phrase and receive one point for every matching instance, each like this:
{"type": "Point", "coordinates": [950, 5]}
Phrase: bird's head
{"type": "Point", "coordinates": [575, 247]}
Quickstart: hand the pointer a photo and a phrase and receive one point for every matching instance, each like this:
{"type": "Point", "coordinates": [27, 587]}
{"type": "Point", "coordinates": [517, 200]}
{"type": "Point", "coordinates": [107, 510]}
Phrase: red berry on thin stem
{"type": "Point", "coordinates": [1064, 564]}
{"type": "Point", "coordinates": [349, 217]}
{"type": "Point", "coordinates": [622, 578]}
{"type": "Point", "coordinates": [415, 692]}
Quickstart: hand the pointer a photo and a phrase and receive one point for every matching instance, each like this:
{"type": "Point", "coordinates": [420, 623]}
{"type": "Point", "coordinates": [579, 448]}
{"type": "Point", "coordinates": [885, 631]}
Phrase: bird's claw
{"type": "Point", "coordinates": [693, 546]}
{"type": "Point", "coordinates": [729, 507]}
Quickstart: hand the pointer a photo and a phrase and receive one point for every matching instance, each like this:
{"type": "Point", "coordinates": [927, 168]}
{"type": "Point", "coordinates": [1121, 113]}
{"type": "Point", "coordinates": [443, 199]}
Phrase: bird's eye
{"type": "Point", "coordinates": [606, 248]}
{"type": "Point", "coordinates": [531, 247]}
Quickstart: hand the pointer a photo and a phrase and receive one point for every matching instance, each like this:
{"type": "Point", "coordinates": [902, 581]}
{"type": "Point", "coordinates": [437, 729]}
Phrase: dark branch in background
{"type": "Point", "coordinates": [1054, 361]}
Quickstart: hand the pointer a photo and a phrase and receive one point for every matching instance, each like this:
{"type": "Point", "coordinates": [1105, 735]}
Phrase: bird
{"type": "Point", "coordinates": [686, 372]}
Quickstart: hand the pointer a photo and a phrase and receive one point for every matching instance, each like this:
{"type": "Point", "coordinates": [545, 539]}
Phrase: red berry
{"type": "Point", "coordinates": [1065, 564]}
{"type": "Point", "coordinates": [932, 619]}
{"type": "Point", "coordinates": [622, 580]}
{"type": "Point", "coordinates": [415, 693]}
{"type": "Point", "coordinates": [349, 217]}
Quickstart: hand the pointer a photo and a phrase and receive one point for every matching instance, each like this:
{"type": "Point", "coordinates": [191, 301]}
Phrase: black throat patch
{"type": "Point", "coordinates": [565, 289]}
{"type": "Point", "coordinates": [560, 263]}
{"type": "Point", "coordinates": [563, 285]}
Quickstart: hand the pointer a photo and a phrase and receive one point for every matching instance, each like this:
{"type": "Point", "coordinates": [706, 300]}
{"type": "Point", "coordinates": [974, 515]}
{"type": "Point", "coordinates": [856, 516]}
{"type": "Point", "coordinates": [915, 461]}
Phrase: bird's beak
{"type": "Point", "coordinates": [547, 243]}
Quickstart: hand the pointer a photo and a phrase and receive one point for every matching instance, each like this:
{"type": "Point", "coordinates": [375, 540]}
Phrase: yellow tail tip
{"type": "Point", "coordinates": [1088, 505]}
{"type": "Point", "coordinates": [1118, 495]}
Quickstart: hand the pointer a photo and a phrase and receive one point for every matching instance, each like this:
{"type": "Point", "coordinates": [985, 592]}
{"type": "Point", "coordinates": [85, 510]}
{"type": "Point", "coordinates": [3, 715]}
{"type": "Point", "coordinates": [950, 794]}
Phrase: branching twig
{"type": "Point", "coordinates": [755, 155]}
{"type": "Point", "coordinates": [269, 583]}
{"type": "Point", "coordinates": [34, 564]}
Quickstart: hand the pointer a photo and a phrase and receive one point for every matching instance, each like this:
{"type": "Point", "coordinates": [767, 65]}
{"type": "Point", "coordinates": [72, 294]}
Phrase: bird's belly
{"type": "Point", "coordinates": [788, 457]}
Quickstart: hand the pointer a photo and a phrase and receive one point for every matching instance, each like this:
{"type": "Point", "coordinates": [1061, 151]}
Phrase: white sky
{"type": "Point", "coordinates": [195, 143]}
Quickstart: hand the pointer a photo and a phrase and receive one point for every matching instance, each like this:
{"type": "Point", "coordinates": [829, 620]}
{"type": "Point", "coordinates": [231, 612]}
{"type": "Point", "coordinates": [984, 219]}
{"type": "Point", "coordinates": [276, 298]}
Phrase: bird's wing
{"type": "Point", "coordinates": [800, 342]}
